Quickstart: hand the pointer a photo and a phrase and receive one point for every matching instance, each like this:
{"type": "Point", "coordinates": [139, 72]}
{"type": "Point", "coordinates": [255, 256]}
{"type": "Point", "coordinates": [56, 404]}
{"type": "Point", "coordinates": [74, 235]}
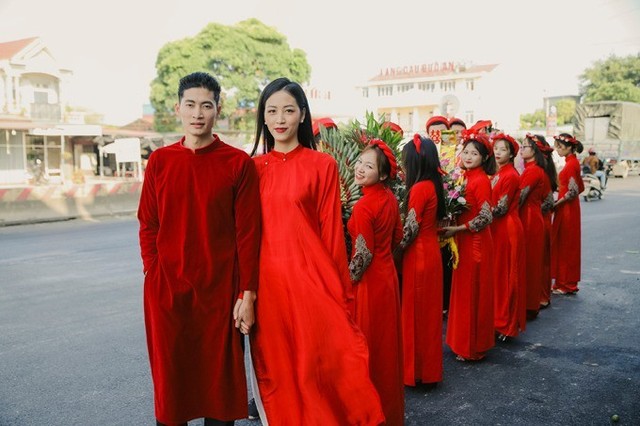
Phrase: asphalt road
{"type": "Point", "coordinates": [72, 344]}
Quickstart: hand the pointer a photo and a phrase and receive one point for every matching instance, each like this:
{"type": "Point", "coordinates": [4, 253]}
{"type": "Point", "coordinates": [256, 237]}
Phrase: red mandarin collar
{"type": "Point", "coordinates": [286, 155]}
{"type": "Point", "coordinates": [199, 151]}
{"type": "Point", "coordinates": [370, 189]}
{"type": "Point", "coordinates": [474, 172]}
{"type": "Point", "coordinates": [529, 164]}
{"type": "Point", "coordinates": [506, 167]}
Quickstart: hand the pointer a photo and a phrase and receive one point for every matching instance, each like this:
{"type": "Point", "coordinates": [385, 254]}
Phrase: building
{"type": "Point", "coordinates": [37, 143]}
{"type": "Point", "coordinates": [410, 95]}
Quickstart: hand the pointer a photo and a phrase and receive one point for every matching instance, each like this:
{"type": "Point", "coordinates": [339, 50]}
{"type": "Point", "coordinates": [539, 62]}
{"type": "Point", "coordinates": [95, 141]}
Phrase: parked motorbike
{"type": "Point", "coordinates": [592, 188]}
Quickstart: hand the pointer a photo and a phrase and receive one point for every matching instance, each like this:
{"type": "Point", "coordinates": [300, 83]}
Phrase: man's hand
{"type": "Point", "coordinates": [243, 314]}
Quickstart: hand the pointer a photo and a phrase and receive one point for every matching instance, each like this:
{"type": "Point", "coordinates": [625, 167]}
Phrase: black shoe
{"type": "Point", "coordinates": [253, 410]}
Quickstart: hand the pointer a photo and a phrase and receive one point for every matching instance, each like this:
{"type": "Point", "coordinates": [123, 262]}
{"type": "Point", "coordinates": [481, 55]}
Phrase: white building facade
{"type": "Point", "coordinates": [410, 95]}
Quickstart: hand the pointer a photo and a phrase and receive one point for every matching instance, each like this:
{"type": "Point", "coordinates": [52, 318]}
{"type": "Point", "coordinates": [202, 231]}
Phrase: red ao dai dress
{"type": "Point", "coordinates": [422, 288]}
{"type": "Point", "coordinates": [470, 326]}
{"type": "Point", "coordinates": [509, 253]}
{"type": "Point", "coordinates": [310, 359]}
{"type": "Point", "coordinates": [532, 194]}
{"type": "Point", "coordinates": [375, 230]}
{"type": "Point", "coordinates": [566, 235]}
{"type": "Point", "coordinates": [547, 213]}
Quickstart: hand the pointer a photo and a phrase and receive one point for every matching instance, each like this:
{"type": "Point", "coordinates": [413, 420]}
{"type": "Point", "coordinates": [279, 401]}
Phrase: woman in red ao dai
{"type": "Point", "coordinates": [566, 234]}
{"type": "Point", "coordinates": [470, 326]}
{"type": "Point", "coordinates": [533, 190]}
{"type": "Point", "coordinates": [375, 230]}
{"type": "Point", "coordinates": [422, 282]}
{"type": "Point", "coordinates": [508, 239]}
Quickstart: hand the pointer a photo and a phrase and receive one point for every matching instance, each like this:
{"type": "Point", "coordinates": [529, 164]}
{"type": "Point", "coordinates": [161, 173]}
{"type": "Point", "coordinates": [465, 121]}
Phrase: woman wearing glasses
{"type": "Point", "coordinates": [533, 183]}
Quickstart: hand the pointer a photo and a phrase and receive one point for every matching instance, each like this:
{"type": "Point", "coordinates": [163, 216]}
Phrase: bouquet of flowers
{"type": "Point", "coordinates": [454, 185]}
{"type": "Point", "coordinates": [454, 188]}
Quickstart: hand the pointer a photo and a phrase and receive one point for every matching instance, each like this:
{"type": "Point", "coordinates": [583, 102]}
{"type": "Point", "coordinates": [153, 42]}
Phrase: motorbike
{"type": "Point", "coordinates": [592, 188]}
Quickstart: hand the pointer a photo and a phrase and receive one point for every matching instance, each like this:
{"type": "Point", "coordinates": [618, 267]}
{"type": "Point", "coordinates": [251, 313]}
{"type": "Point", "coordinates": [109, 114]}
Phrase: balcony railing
{"type": "Point", "coordinates": [49, 112]}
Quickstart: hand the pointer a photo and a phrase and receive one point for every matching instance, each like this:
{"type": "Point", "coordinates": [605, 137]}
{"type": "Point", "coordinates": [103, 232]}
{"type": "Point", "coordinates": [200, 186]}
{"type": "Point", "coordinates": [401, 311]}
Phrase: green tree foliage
{"type": "Point", "coordinates": [535, 120]}
{"type": "Point", "coordinates": [243, 57]}
{"type": "Point", "coordinates": [566, 110]}
{"type": "Point", "coordinates": [613, 79]}
{"type": "Point", "coordinates": [345, 146]}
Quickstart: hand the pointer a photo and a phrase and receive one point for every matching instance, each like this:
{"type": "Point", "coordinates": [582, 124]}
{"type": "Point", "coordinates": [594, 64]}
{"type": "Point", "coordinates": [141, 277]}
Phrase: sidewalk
{"type": "Point", "coordinates": [22, 204]}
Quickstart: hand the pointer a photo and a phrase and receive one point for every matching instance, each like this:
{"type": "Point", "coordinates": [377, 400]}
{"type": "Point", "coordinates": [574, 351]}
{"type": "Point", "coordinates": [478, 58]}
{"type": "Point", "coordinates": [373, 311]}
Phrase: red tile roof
{"type": "Point", "coordinates": [9, 49]}
{"type": "Point", "coordinates": [426, 70]}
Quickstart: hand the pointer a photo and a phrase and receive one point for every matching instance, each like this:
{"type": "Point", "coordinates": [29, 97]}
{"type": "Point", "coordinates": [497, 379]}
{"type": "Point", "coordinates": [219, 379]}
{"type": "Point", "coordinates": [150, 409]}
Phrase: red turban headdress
{"type": "Point", "coordinates": [509, 139]}
{"type": "Point", "coordinates": [325, 122]}
{"type": "Point", "coordinates": [482, 138]}
{"type": "Point", "coordinates": [437, 119]}
{"type": "Point", "coordinates": [393, 126]}
{"type": "Point", "coordinates": [393, 169]}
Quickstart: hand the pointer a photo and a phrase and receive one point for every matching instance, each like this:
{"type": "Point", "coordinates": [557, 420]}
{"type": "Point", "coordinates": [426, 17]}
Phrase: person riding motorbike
{"type": "Point", "coordinates": [596, 167]}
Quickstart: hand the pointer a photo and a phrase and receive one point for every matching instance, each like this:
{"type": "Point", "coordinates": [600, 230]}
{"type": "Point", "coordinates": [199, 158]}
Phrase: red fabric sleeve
{"type": "Point", "coordinates": [397, 233]}
{"type": "Point", "coordinates": [331, 228]}
{"type": "Point", "coordinates": [362, 222]}
{"type": "Point", "coordinates": [247, 223]}
{"type": "Point", "coordinates": [417, 202]}
{"type": "Point", "coordinates": [148, 217]}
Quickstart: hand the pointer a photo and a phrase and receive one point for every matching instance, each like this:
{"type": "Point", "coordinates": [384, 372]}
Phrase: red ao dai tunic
{"type": "Point", "coordinates": [375, 230]}
{"type": "Point", "coordinates": [422, 288]}
{"type": "Point", "coordinates": [566, 234]}
{"type": "Point", "coordinates": [509, 253]}
{"type": "Point", "coordinates": [470, 326]}
{"type": "Point", "coordinates": [532, 194]}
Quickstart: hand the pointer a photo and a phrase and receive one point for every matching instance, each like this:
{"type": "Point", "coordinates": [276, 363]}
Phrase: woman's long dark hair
{"type": "Point", "coordinates": [305, 129]}
{"type": "Point", "coordinates": [538, 156]}
{"type": "Point", "coordinates": [549, 165]}
{"type": "Point", "coordinates": [423, 166]}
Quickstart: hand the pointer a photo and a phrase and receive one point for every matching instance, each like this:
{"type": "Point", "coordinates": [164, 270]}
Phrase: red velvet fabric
{"type": "Point", "coordinates": [199, 219]}
{"type": "Point", "coordinates": [566, 233]}
{"type": "Point", "coordinates": [310, 359]}
{"type": "Point", "coordinates": [422, 291]}
{"type": "Point", "coordinates": [545, 291]}
{"type": "Point", "coordinates": [470, 330]}
{"type": "Point", "coordinates": [376, 218]}
{"type": "Point", "coordinates": [533, 178]}
{"type": "Point", "coordinates": [509, 255]}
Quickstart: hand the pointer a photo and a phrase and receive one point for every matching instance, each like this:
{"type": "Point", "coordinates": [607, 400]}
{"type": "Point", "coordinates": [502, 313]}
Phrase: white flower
{"type": "Point", "coordinates": [462, 201]}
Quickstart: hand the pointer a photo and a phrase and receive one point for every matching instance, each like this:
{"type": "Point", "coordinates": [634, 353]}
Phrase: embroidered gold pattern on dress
{"type": "Point", "coordinates": [495, 180]}
{"type": "Point", "coordinates": [410, 229]}
{"type": "Point", "coordinates": [524, 194]}
{"type": "Point", "coordinates": [482, 220]}
{"type": "Point", "coordinates": [361, 259]}
{"type": "Point", "coordinates": [547, 204]}
{"type": "Point", "coordinates": [573, 191]}
{"type": "Point", "coordinates": [501, 207]}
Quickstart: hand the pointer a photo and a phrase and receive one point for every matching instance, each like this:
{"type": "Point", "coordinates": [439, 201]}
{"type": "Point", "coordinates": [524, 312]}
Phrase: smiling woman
{"type": "Point", "coordinates": [302, 318]}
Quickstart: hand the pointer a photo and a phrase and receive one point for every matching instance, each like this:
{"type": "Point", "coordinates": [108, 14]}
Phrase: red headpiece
{"type": "Point", "coordinates": [480, 126]}
{"type": "Point", "coordinates": [393, 126]}
{"type": "Point", "coordinates": [437, 119]}
{"type": "Point", "coordinates": [456, 120]}
{"type": "Point", "coordinates": [417, 141]}
{"type": "Point", "coordinates": [482, 138]}
{"type": "Point", "coordinates": [567, 139]}
{"type": "Point", "coordinates": [387, 153]}
{"type": "Point", "coordinates": [509, 139]}
{"type": "Point", "coordinates": [541, 145]}
{"type": "Point", "coordinates": [325, 122]}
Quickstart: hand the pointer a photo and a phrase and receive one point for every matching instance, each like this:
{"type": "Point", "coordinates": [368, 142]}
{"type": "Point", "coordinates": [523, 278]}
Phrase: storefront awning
{"type": "Point", "coordinates": [68, 130]}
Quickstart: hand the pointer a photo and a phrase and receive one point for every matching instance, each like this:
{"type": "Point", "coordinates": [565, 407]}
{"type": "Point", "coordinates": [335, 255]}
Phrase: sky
{"type": "Point", "coordinates": [111, 46]}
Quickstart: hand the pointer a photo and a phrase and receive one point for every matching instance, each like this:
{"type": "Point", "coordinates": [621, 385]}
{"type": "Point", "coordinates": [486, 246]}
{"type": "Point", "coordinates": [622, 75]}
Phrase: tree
{"type": "Point", "coordinates": [613, 79]}
{"type": "Point", "coordinates": [566, 109]}
{"type": "Point", "coordinates": [243, 57]}
{"type": "Point", "coordinates": [537, 119]}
